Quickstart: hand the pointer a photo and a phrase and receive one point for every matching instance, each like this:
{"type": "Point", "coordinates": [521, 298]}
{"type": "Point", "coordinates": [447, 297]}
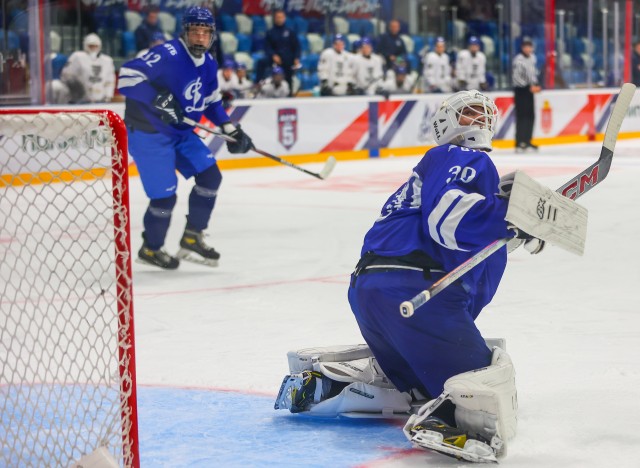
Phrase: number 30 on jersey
{"type": "Point", "coordinates": [464, 174]}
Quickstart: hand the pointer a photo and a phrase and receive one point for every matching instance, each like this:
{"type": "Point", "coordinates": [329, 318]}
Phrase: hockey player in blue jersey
{"type": "Point", "coordinates": [453, 205]}
{"type": "Point", "coordinates": [175, 80]}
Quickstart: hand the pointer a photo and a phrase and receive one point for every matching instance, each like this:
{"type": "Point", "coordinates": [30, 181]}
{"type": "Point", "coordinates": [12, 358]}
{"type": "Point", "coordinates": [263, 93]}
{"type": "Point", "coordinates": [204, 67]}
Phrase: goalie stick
{"type": "Point", "coordinates": [329, 164]}
{"type": "Point", "coordinates": [574, 188]}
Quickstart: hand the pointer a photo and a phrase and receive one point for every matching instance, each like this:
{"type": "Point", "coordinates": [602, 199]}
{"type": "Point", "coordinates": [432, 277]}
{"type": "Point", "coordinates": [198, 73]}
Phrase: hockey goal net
{"type": "Point", "coordinates": [67, 365]}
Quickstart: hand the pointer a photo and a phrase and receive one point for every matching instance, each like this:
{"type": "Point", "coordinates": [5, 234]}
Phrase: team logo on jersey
{"type": "Point", "coordinates": [192, 93]}
{"type": "Point", "coordinates": [287, 127]}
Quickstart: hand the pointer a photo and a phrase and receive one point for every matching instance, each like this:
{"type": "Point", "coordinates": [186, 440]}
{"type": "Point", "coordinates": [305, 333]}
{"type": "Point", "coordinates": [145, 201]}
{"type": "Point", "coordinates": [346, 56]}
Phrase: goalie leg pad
{"type": "Point", "coordinates": [304, 359]}
{"type": "Point", "coordinates": [307, 392]}
{"type": "Point", "coordinates": [486, 406]}
{"type": "Point", "coordinates": [486, 399]}
{"type": "Point", "coordinates": [364, 399]}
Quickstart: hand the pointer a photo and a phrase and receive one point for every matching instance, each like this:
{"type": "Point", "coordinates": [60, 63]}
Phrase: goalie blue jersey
{"type": "Point", "coordinates": [169, 66]}
{"type": "Point", "coordinates": [448, 209]}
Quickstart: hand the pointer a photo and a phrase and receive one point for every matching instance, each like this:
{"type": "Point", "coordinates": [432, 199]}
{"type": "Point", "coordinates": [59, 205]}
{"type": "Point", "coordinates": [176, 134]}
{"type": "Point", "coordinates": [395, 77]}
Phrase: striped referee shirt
{"type": "Point", "coordinates": [525, 72]}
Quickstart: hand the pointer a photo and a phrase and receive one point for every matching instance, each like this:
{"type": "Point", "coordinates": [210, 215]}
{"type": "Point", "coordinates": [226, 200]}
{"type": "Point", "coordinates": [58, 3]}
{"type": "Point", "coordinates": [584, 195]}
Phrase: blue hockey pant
{"type": "Point", "coordinates": [439, 341]}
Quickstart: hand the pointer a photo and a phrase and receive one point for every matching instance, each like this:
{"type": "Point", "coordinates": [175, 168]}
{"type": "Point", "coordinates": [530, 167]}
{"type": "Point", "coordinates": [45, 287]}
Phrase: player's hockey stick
{"type": "Point", "coordinates": [574, 188]}
{"type": "Point", "coordinates": [323, 174]}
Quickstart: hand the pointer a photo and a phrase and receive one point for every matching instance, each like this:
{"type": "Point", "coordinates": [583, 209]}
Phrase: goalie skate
{"type": "Point", "coordinates": [193, 249]}
{"type": "Point", "coordinates": [435, 435]}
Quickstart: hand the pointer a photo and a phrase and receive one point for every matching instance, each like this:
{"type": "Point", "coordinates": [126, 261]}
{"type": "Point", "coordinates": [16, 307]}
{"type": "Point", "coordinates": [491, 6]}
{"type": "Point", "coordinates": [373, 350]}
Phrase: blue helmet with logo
{"type": "Point", "coordinates": [277, 70]}
{"type": "Point", "coordinates": [197, 16]}
{"type": "Point", "coordinates": [473, 40]}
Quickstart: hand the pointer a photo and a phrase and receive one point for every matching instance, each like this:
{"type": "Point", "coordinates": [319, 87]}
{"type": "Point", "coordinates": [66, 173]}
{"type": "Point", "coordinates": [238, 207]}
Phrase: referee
{"type": "Point", "coordinates": [525, 85]}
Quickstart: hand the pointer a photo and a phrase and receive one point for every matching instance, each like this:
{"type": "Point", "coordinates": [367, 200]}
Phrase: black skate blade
{"type": "Point", "coordinates": [192, 257]}
{"type": "Point", "coordinates": [142, 261]}
{"type": "Point", "coordinates": [433, 441]}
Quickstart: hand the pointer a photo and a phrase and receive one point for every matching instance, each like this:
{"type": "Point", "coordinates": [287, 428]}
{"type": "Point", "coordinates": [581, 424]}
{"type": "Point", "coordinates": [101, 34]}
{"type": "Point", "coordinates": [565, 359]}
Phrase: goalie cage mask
{"type": "Point", "coordinates": [479, 134]}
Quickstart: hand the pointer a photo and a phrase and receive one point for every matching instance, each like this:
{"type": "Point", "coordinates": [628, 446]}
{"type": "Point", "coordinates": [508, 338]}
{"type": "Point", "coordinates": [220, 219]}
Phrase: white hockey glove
{"type": "Point", "coordinates": [533, 245]}
{"type": "Point", "coordinates": [506, 184]}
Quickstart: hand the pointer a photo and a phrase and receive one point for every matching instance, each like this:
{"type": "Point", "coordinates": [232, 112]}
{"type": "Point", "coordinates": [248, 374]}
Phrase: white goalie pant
{"type": "Point", "coordinates": [368, 393]}
{"type": "Point", "coordinates": [486, 400]}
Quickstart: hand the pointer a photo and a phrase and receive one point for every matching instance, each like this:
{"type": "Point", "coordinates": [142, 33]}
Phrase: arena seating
{"type": "Point", "coordinates": [243, 37]}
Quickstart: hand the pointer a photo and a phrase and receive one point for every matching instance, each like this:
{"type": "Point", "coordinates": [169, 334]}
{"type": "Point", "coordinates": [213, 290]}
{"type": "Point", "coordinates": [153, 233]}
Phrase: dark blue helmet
{"type": "Point", "coordinates": [367, 41]}
{"type": "Point", "coordinates": [473, 40]}
{"type": "Point", "coordinates": [158, 37]}
{"type": "Point", "coordinates": [276, 70]}
{"type": "Point", "coordinates": [197, 16]}
{"type": "Point", "coordinates": [228, 63]}
{"type": "Point", "coordinates": [339, 37]}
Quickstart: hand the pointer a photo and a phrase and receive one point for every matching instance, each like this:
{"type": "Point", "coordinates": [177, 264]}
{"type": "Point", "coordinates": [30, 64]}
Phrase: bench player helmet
{"type": "Point", "coordinates": [480, 109]}
{"type": "Point", "coordinates": [197, 16]}
{"type": "Point", "coordinates": [92, 45]}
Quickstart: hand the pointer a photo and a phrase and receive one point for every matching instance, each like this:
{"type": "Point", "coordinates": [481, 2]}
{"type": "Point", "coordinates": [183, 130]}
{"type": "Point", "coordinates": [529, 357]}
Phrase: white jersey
{"type": "Point", "coordinates": [337, 69]}
{"type": "Point", "coordinates": [437, 73]}
{"type": "Point", "coordinates": [96, 77]}
{"type": "Point", "coordinates": [270, 90]}
{"type": "Point", "coordinates": [368, 73]}
{"type": "Point", "coordinates": [245, 87]}
{"type": "Point", "coordinates": [231, 85]}
{"type": "Point", "coordinates": [471, 68]}
{"type": "Point", "coordinates": [392, 86]}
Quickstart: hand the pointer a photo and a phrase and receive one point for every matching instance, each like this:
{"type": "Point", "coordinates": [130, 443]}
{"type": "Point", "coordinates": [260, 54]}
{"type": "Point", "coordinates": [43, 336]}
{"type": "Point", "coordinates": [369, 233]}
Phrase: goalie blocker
{"type": "Point", "coordinates": [544, 214]}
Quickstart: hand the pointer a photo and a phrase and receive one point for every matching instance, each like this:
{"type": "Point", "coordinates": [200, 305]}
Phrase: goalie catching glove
{"type": "Point", "coordinates": [242, 144]}
{"type": "Point", "coordinates": [533, 245]}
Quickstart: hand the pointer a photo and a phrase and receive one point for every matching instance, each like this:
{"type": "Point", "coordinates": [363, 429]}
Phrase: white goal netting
{"type": "Point", "coordinates": [67, 381]}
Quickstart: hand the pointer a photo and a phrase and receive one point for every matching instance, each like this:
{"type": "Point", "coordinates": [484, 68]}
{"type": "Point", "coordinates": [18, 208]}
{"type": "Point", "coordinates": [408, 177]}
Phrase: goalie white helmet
{"type": "Point", "coordinates": [466, 118]}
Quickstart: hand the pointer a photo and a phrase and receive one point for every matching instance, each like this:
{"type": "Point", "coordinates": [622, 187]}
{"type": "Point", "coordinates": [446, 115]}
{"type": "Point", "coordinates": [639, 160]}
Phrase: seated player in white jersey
{"type": "Point", "coordinates": [451, 207]}
{"type": "Point", "coordinates": [88, 76]}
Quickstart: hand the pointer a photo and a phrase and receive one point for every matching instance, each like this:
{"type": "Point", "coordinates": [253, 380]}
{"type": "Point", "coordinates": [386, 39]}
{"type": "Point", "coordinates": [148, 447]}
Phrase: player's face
{"type": "Point", "coordinates": [473, 115]}
{"type": "Point", "coordinates": [279, 18]}
{"type": "Point", "coordinates": [440, 47]}
{"type": "Point", "coordinates": [366, 49]}
{"type": "Point", "coordinates": [338, 45]}
{"type": "Point", "coordinates": [474, 48]}
{"type": "Point", "coordinates": [199, 35]}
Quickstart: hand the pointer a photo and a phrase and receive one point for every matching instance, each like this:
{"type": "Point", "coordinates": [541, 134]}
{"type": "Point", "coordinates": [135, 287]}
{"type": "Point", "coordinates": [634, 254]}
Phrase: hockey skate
{"type": "Point", "coordinates": [298, 392]}
{"type": "Point", "coordinates": [434, 434]}
{"type": "Point", "coordinates": [158, 258]}
{"type": "Point", "coordinates": [193, 249]}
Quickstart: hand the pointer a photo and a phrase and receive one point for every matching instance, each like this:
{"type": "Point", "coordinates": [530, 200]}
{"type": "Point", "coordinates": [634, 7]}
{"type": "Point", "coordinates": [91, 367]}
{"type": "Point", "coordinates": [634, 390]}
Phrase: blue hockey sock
{"type": "Point", "coordinates": [203, 198]}
{"type": "Point", "coordinates": [156, 221]}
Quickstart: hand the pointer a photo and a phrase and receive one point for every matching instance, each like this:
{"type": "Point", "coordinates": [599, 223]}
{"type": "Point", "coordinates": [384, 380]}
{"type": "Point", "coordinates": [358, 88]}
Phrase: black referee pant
{"type": "Point", "coordinates": [525, 115]}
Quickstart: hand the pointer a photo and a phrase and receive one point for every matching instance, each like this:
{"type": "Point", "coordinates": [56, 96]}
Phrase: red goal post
{"type": "Point", "coordinates": [67, 354]}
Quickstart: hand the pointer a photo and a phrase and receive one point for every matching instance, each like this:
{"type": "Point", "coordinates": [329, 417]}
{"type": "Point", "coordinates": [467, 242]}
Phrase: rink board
{"type": "Point", "coordinates": [305, 130]}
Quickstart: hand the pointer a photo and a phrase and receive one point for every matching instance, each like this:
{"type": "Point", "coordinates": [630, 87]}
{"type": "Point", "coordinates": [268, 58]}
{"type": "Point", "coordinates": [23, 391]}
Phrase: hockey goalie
{"type": "Point", "coordinates": [456, 390]}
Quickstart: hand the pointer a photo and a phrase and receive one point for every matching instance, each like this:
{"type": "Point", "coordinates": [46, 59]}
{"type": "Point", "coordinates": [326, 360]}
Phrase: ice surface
{"type": "Point", "coordinates": [211, 343]}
